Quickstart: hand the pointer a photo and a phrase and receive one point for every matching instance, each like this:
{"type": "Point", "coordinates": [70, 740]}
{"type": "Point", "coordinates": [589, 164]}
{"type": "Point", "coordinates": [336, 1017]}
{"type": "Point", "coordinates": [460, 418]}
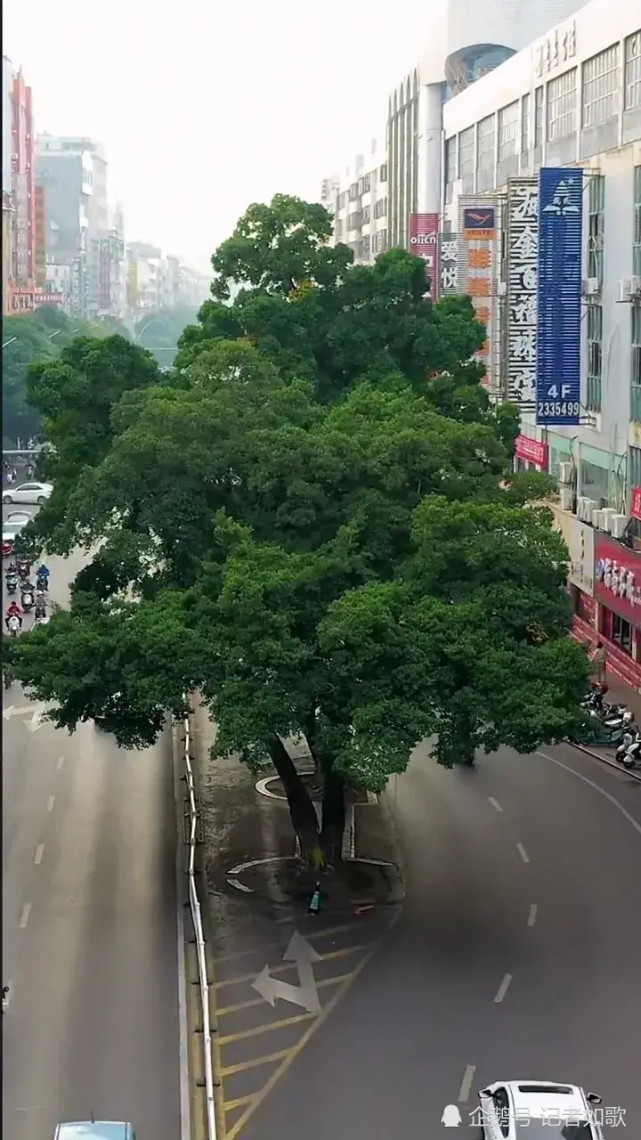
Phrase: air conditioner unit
{"type": "Point", "coordinates": [607, 516]}
{"type": "Point", "coordinates": [566, 471]}
{"type": "Point", "coordinates": [589, 507]}
{"type": "Point", "coordinates": [597, 519]}
{"type": "Point", "coordinates": [629, 289]}
{"type": "Point", "coordinates": [619, 523]}
{"type": "Point", "coordinates": [590, 286]}
{"type": "Point", "coordinates": [580, 507]}
{"type": "Point", "coordinates": [566, 496]}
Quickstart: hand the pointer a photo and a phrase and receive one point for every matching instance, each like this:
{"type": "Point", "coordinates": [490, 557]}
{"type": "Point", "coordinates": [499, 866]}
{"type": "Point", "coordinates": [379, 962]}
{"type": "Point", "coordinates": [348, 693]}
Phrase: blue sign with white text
{"type": "Point", "coordinates": [558, 350]}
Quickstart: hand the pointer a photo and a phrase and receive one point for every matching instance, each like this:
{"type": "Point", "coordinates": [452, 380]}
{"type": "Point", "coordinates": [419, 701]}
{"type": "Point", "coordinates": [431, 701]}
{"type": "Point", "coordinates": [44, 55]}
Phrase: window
{"type": "Point", "coordinates": [382, 174]}
{"type": "Point", "coordinates": [365, 247]}
{"type": "Point", "coordinates": [486, 143]}
{"type": "Point", "coordinates": [466, 153]}
{"type": "Point", "coordinates": [634, 467]}
{"type": "Point", "coordinates": [450, 160]}
{"type": "Point", "coordinates": [595, 357]}
{"type": "Point", "coordinates": [632, 80]}
{"type": "Point", "coordinates": [601, 87]}
{"type": "Point", "coordinates": [366, 183]}
{"type": "Point", "coordinates": [635, 374]}
{"type": "Point", "coordinates": [561, 100]}
{"type": "Point", "coordinates": [353, 192]}
{"type": "Point", "coordinates": [596, 214]}
{"type": "Point", "coordinates": [380, 209]}
{"type": "Point", "coordinates": [366, 214]}
{"type": "Point", "coordinates": [381, 241]}
{"type": "Point", "coordinates": [538, 117]}
{"type": "Point", "coordinates": [525, 124]}
{"type": "Point", "coordinates": [637, 237]}
{"type": "Point", "coordinates": [508, 130]}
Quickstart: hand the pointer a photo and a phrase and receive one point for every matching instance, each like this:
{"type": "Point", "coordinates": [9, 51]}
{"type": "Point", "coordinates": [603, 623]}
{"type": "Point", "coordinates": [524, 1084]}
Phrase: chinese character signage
{"type": "Point", "coordinates": [522, 258]}
{"type": "Point", "coordinates": [558, 363]}
{"type": "Point", "coordinates": [555, 50]}
{"type": "Point", "coordinates": [448, 265]}
{"type": "Point", "coordinates": [635, 503]}
{"type": "Point", "coordinates": [423, 234]}
{"type": "Point", "coordinates": [532, 451]}
{"type": "Point", "coordinates": [581, 551]}
{"type": "Point", "coordinates": [478, 264]}
{"type": "Point", "coordinates": [617, 579]}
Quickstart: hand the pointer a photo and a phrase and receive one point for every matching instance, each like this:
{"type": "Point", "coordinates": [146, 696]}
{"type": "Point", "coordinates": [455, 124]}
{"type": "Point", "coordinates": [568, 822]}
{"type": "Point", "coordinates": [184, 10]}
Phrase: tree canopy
{"type": "Point", "coordinates": [311, 520]}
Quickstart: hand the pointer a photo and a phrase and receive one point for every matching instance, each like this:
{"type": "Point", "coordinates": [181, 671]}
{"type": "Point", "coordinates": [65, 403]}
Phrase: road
{"type": "Point", "coordinates": [516, 956]}
{"type": "Point", "coordinates": [89, 926]}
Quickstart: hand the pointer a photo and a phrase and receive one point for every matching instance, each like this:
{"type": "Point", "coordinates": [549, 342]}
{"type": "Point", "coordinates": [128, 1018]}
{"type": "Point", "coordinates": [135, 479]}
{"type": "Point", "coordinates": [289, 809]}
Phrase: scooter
{"type": "Point", "coordinates": [632, 755]}
{"type": "Point", "coordinates": [14, 625]}
{"type": "Point", "coordinates": [26, 600]}
{"type": "Point", "coordinates": [40, 611]}
{"type": "Point", "coordinates": [630, 737]}
{"type": "Point", "coordinates": [42, 582]}
{"type": "Point", "coordinates": [11, 583]}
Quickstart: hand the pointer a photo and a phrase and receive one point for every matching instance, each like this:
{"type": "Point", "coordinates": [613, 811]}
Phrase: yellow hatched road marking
{"type": "Point", "coordinates": [335, 981]}
{"type": "Point", "coordinates": [267, 1028]}
{"type": "Point", "coordinates": [292, 965]}
{"type": "Point", "coordinates": [242, 1065]}
{"type": "Point", "coordinates": [239, 1102]}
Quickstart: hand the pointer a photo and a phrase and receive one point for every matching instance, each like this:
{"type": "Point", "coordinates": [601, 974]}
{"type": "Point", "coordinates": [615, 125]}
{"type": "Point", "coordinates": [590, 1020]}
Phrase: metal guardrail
{"type": "Point", "coordinates": [196, 915]}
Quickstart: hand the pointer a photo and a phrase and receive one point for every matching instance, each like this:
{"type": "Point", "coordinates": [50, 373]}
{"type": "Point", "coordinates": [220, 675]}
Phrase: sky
{"type": "Point", "coordinates": [205, 106]}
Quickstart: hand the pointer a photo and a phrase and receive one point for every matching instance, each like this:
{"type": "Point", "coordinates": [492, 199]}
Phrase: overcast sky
{"type": "Point", "coordinates": [204, 106]}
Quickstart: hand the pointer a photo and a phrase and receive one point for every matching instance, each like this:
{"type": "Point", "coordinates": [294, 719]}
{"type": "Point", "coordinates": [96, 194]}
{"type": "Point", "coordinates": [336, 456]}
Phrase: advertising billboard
{"type": "Point", "coordinates": [522, 245]}
{"type": "Point", "coordinates": [617, 579]}
{"type": "Point", "coordinates": [478, 268]}
{"type": "Point", "coordinates": [448, 283]}
{"type": "Point", "coordinates": [423, 241]}
{"type": "Point", "coordinates": [558, 362]}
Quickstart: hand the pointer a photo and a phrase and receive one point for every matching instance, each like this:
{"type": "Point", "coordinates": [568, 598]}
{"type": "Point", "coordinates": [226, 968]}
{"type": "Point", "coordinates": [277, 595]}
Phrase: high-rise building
{"type": "Point", "coordinates": [7, 242]}
{"type": "Point", "coordinates": [7, 123]}
{"type": "Point", "coordinates": [358, 204]}
{"type": "Point", "coordinates": [73, 175]}
{"type": "Point", "coordinates": [22, 177]}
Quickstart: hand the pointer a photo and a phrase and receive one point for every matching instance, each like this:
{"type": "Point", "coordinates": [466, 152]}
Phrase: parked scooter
{"type": "Point", "coordinates": [631, 743]}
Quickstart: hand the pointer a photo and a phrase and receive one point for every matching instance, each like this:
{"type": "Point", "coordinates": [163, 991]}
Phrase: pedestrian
{"type": "Point", "coordinates": [599, 661]}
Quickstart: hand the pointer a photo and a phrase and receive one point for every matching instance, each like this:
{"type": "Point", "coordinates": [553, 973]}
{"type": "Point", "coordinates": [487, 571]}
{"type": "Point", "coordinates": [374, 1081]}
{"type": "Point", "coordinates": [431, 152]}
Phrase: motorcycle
{"type": "Point", "coordinates": [24, 569]}
{"type": "Point", "coordinates": [42, 582]}
{"type": "Point", "coordinates": [629, 749]}
{"type": "Point", "coordinates": [11, 582]}
{"type": "Point", "coordinates": [40, 611]}
{"type": "Point", "coordinates": [27, 601]}
{"type": "Point", "coordinates": [14, 625]}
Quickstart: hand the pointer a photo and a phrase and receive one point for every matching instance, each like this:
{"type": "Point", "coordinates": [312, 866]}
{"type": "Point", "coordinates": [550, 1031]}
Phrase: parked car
{"type": "Point", "coordinates": [95, 1130]}
{"type": "Point", "coordinates": [28, 493]}
{"type": "Point", "coordinates": [9, 534]}
{"type": "Point", "coordinates": [19, 518]}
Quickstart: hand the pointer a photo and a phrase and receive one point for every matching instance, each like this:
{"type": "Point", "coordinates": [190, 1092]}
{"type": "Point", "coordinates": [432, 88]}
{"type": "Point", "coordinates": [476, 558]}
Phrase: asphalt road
{"type": "Point", "coordinates": [89, 926]}
{"type": "Point", "coordinates": [517, 956]}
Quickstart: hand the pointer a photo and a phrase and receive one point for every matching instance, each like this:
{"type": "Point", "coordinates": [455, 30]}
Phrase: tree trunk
{"type": "Point", "coordinates": [333, 813]}
{"type": "Point", "coordinates": [301, 808]}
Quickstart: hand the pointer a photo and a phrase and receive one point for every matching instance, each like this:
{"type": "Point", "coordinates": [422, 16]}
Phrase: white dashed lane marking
{"type": "Point", "coordinates": [466, 1084]}
{"type": "Point", "coordinates": [60, 762]}
{"type": "Point", "coordinates": [495, 803]}
{"type": "Point", "coordinates": [531, 918]}
{"type": "Point", "coordinates": [50, 802]}
{"type": "Point", "coordinates": [523, 853]}
{"type": "Point", "coordinates": [40, 850]}
{"type": "Point", "coordinates": [503, 988]}
{"type": "Point", "coordinates": [24, 917]}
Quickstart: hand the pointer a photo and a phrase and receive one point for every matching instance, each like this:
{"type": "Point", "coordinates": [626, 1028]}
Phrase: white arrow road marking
{"type": "Point", "coordinates": [36, 721]}
{"type": "Point", "coordinates": [305, 994]}
{"type": "Point", "coordinates": [13, 711]}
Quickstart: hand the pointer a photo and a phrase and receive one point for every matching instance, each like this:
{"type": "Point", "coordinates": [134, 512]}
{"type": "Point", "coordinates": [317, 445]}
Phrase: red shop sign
{"type": "Point", "coordinates": [617, 579]}
{"type": "Point", "coordinates": [635, 505]}
{"type": "Point", "coordinates": [532, 451]}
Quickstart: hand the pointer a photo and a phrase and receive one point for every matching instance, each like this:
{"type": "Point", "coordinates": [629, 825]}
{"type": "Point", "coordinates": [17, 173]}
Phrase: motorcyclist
{"type": "Point", "coordinates": [41, 605]}
{"type": "Point", "coordinates": [13, 611]}
{"type": "Point", "coordinates": [24, 567]}
{"type": "Point", "coordinates": [42, 576]}
{"type": "Point", "coordinates": [12, 568]}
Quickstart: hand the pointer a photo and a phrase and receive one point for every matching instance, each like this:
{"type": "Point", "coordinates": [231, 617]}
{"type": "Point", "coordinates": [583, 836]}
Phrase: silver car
{"type": "Point", "coordinates": [28, 493]}
{"type": "Point", "coordinates": [95, 1130]}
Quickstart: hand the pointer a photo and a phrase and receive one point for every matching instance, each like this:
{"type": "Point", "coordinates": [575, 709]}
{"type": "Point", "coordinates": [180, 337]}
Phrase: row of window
{"type": "Point", "coordinates": [555, 111]}
{"type": "Point", "coordinates": [361, 186]}
{"type": "Point", "coordinates": [369, 246]}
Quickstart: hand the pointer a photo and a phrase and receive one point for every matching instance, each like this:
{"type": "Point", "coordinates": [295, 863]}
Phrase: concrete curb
{"type": "Point", "coordinates": [606, 760]}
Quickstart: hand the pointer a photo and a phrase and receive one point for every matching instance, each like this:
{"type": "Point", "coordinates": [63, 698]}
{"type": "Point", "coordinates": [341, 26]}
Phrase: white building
{"type": "Point", "coordinates": [573, 99]}
{"type": "Point", "coordinates": [358, 203]}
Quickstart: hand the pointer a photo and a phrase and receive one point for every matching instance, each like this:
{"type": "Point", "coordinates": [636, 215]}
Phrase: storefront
{"type": "Point", "coordinates": [530, 454]}
{"type": "Point", "coordinates": [617, 620]}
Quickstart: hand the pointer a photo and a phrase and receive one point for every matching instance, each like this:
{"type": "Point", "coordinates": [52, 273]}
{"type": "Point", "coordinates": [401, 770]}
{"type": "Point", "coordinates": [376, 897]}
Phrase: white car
{"type": "Point", "coordinates": [18, 518]}
{"type": "Point", "coordinates": [538, 1110]}
{"type": "Point", "coordinates": [28, 493]}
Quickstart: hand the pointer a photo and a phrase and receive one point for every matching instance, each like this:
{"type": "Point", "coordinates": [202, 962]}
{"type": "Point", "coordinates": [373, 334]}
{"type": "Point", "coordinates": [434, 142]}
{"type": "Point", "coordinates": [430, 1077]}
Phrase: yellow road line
{"type": "Point", "coordinates": [309, 937]}
{"type": "Point", "coordinates": [261, 1001]}
{"type": "Point", "coordinates": [242, 1065]}
{"type": "Point", "coordinates": [292, 965]}
{"type": "Point", "coordinates": [239, 1102]}
{"type": "Point", "coordinates": [293, 1053]}
{"type": "Point", "coordinates": [267, 1028]}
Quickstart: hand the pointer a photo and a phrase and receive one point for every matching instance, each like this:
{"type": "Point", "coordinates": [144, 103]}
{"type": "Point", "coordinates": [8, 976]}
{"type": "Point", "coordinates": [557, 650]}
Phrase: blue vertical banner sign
{"type": "Point", "coordinates": [558, 349]}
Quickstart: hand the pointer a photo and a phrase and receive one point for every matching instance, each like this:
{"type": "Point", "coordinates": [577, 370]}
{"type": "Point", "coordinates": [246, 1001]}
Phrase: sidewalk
{"type": "Point", "coordinates": [618, 693]}
{"type": "Point", "coordinates": [247, 852]}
